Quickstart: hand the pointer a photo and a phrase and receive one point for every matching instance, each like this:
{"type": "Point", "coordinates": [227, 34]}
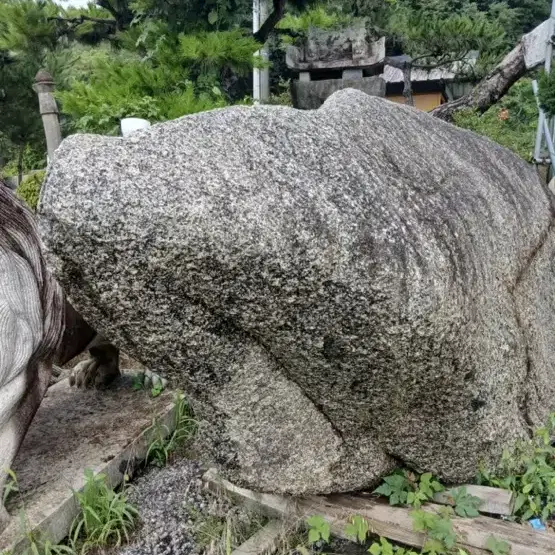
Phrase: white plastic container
{"type": "Point", "coordinates": [129, 125]}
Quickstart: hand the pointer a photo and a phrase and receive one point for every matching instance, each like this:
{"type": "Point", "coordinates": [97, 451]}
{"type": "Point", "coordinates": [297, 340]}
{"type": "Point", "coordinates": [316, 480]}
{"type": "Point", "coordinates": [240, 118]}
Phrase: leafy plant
{"type": "Point", "coordinates": [357, 528]}
{"type": "Point", "coordinates": [440, 536]}
{"type": "Point", "coordinates": [105, 518]}
{"type": "Point", "coordinates": [465, 504]}
{"type": "Point", "coordinates": [528, 469]}
{"type": "Point", "coordinates": [162, 442]}
{"type": "Point", "coordinates": [141, 382]}
{"type": "Point", "coordinates": [318, 529]}
{"type": "Point", "coordinates": [396, 488]}
{"type": "Point", "coordinates": [406, 488]}
{"type": "Point", "coordinates": [497, 547]}
{"type": "Point", "coordinates": [32, 158]}
{"type": "Point", "coordinates": [383, 547]}
{"type": "Point", "coordinates": [29, 189]}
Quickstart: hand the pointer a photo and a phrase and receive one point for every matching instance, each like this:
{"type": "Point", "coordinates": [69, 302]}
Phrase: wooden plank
{"type": "Point", "coordinates": [495, 501]}
{"type": "Point", "coordinates": [394, 523]}
{"type": "Point", "coordinates": [265, 542]}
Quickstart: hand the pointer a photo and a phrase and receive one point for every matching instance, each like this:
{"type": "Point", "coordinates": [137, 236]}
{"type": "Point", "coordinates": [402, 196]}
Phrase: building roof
{"type": "Point", "coordinates": [394, 75]}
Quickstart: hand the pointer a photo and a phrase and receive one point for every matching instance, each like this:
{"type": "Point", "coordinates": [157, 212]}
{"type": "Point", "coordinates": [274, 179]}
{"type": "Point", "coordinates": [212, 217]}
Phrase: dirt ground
{"type": "Point", "coordinates": [75, 429]}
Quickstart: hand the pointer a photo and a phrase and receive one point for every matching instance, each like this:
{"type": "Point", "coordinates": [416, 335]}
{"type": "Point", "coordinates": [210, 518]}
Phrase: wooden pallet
{"type": "Point", "coordinates": [394, 523]}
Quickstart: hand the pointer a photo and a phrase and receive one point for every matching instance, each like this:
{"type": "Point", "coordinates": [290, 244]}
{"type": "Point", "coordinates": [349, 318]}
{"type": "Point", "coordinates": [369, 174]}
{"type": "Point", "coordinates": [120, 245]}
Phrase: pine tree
{"type": "Point", "coordinates": [432, 38]}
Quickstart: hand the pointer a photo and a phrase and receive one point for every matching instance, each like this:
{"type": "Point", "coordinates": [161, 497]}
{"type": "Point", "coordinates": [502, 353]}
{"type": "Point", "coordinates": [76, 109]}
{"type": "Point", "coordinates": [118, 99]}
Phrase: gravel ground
{"type": "Point", "coordinates": [179, 517]}
{"type": "Point", "coordinates": [166, 499]}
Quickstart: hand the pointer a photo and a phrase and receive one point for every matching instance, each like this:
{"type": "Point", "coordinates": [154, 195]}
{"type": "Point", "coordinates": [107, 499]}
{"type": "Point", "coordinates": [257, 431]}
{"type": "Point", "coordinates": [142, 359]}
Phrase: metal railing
{"type": "Point", "coordinates": [544, 132]}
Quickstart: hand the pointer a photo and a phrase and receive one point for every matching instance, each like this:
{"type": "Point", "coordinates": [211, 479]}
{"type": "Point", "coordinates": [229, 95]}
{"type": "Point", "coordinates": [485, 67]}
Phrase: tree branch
{"type": "Point", "coordinates": [123, 18]}
{"type": "Point", "coordinates": [273, 19]}
{"type": "Point", "coordinates": [488, 91]}
{"type": "Point", "coordinates": [108, 7]}
{"type": "Point", "coordinates": [82, 19]}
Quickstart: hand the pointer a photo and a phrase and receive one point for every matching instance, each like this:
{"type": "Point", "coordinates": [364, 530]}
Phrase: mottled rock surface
{"type": "Point", "coordinates": [338, 290]}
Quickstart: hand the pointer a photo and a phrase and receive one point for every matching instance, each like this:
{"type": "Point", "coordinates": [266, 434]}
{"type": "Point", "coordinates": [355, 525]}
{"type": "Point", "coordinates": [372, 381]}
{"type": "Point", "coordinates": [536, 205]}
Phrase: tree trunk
{"type": "Point", "coordinates": [488, 91]}
{"type": "Point", "coordinates": [20, 165]}
{"type": "Point", "coordinates": [407, 85]}
{"type": "Point", "coordinates": [272, 20]}
{"type": "Point", "coordinates": [122, 14]}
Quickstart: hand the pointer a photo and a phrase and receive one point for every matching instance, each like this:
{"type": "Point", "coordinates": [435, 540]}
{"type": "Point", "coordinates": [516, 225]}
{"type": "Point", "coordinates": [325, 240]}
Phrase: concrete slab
{"type": "Point", "coordinates": [72, 431]}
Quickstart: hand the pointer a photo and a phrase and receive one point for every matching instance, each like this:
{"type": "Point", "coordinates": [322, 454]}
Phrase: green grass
{"type": "Point", "coordinates": [163, 443]}
{"type": "Point", "coordinates": [35, 544]}
{"type": "Point", "coordinates": [106, 518]}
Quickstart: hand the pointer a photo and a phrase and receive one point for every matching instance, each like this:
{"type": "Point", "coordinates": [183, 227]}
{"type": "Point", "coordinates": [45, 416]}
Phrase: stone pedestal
{"type": "Point", "coordinates": [310, 95]}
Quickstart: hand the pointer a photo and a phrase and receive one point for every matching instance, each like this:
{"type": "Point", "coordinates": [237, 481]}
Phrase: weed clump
{"type": "Point", "coordinates": [164, 443]}
{"type": "Point", "coordinates": [105, 518]}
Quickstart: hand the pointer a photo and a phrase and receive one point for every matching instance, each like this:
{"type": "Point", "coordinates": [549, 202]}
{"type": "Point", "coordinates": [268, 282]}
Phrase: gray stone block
{"type": "Point", "coordinates": [311, 95]}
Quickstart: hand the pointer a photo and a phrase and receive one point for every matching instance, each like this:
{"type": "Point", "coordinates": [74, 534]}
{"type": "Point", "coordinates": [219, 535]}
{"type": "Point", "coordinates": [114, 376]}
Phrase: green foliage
{"type": "Point", "coordinates": [163, 443]}
{"type": "Point", "coordinates": [383, 547]}
{"type": "Point", "coordinates": [106, 517]}
{"type": "Point", "coordinates": [546, 92]}
{"type": "Point", "coordinates": [318, 17]}
{"type": "Point", "coordinates": [31, 160]}
{"type": "Point", "coordinates": [357, 528]}
{"type": "Point", "coordinates": [318, 529]}
{"type": "Point", "coordinates": [497, 547]}
{"type": "Point", "coordinates": [177, 78]}
{"type": "Point", "coordinates": [25, 26]}
{"type": "Point", "coordinates": [282, 96]}
{"type": "Point", "coordinates": [511, 122]}
{"type": "Point", "coordinates": [213, 51]}
{"type": "Point", "coordinates": [131, 89]}
{"type": "Point", "coordinates": [435, 39]}
{"type": "Point", "coordinates": [207, 529]}
{"type": "Point", "coordinates": [406, 488]}
{"type": "Point", "coordinates": [222, 530]}
{"type": "Point", "coordinates": [26, 36]}
{"type": "Point", "coordinates": [194, 15]}
{"type": "Point", "coordinates": [440, 536]}
{"type": "Point", "coordinates": [529, 470]}
{"type": "Point", "coordinates": [88, 31]}
{"type": "Point", "coordinates": [465, 504]}
{"type": "Point", "coordinates": [396, 488]}
{"type": "Point", "coordinates": [29, 189]}
{"type": "Point", "coordinates": [517, 16]}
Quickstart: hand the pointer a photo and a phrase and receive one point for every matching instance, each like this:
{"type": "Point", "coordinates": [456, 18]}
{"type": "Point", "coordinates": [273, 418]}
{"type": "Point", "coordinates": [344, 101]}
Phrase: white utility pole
{"type": "Point", "coordinates": [260, 77]}
{"type": "Point", "coordinates": [545, 128]}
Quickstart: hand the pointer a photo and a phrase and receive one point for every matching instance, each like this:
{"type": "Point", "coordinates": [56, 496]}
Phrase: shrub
{"type": "Point", "coordinates": [511, 122]}
{"type": "Point", "coordinates": [29, 189]}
